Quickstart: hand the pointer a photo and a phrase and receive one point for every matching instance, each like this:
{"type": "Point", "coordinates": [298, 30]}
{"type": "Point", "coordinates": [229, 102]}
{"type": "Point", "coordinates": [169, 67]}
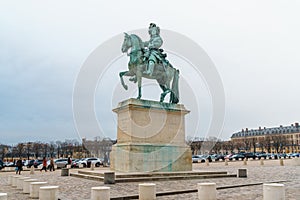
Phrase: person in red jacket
{"type": "Point", "coordinates": [44, 164]}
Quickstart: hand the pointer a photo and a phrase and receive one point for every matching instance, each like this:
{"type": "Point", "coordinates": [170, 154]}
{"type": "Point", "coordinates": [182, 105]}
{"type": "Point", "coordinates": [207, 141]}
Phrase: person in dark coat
{"type": "Point", "coordinates": [19, 166]}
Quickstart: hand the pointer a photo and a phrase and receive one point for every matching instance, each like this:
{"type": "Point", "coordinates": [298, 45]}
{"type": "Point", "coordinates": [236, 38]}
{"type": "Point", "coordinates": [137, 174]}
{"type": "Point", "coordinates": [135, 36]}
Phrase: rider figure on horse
{"type": "Point", "coordinates": [153, 54]}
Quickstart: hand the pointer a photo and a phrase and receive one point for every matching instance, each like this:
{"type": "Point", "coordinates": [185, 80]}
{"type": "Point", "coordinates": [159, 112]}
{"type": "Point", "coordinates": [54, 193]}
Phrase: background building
{"type": "Point", "coordinates": [282, 139]}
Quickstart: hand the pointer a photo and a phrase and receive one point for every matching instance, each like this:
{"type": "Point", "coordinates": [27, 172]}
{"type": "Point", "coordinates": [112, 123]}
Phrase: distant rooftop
{"type": "Point", "coordinates": [293, 128]}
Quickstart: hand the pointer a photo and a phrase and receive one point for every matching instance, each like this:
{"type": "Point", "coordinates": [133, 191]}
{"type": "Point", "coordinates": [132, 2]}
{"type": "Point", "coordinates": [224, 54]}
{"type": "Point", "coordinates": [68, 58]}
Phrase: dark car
{"type": "Point", "coordinates": [30, 163]}
{"type": "Point", "coordinates": [37, 162]}
{"type": "Point", "coordinates": [261, 155]}
{"type": "Point", "coordinates": [237, 157]}
{"type": "Point", "coordinates": [249, 155]}
{"type": "Point", "coordinates": [1, 164]}
{"type": "Point", "coordinates": [219, 157]}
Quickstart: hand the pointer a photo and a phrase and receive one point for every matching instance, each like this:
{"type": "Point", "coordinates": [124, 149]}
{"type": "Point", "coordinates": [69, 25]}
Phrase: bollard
{"type": "Point", "coordinates": [226, 162]}
{"type": "Point", "coordinates": [245, 161]}
{"type": "Point", "coordinates": [32, 169]}
{"type": "Point", "coordinates": [48, 193]}
{"type": "Point", "coordinates": [68, 167]}
{"type": "Point", "coordinates": [26, 185]}
{"type": "Point", "coordinates": [147, 191]}
{"type": "Point", "coordinates": [92, 166]}
{"type": "Point", "coordinates": [20, 182]}
{"type": "Point", "coordinates": [3, 196]}
{"type": "Point", "coordinates": [64, 172]}
{"type": "Point", "coordinates": [273, 191]}
{"type": "Point", "coordinates": [109, 178]}
{"type": "Point", "coordinates": [281, 162]}
{"type": "Point", "coordinates": [207, 162]}
{"type": "Point", "coordinates": [35, 188]}
{"type": "Point", "coordinates": [100, 193]}
{"type": "Point", "coordinates": [207, 191]}
{"type": "Point", "coordinates": [242, 173]}
{"type": "Point", "coordinates": [14, 181]}
{"type": "Point", "coordinates": [261, 162]}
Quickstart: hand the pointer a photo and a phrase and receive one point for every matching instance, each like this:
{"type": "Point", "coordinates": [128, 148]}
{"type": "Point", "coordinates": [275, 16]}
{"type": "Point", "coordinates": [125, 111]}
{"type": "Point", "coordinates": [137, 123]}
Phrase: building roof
{"type": "Point", "coordinates": [294, 128]}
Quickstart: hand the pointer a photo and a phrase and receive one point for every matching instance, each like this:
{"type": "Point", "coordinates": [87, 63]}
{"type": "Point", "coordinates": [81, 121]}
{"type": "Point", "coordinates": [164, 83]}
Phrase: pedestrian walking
{"type": "Point", "coordinates": [44, 164]}
{"type": "Point", "coordinates": [69, 160]}
{"type": "Point", "coordinates": [51, 167]}
{"type": "Point", "coordinates": [19, 166]}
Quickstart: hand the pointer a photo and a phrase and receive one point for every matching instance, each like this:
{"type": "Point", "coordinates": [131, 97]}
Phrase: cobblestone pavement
{"type": "Point", "coordinates": [72, 188]}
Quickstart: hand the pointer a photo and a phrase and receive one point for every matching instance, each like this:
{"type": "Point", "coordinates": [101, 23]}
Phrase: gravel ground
{"type": "Point", "coordinates": [72, 188]}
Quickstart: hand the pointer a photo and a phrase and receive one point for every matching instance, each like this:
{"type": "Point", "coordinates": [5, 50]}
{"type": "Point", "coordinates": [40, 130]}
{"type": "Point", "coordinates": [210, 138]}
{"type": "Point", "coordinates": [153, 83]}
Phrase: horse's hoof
{"type": "Point", "coordinates": [125, 87]}
{"type": "Point", "coordinates": [138, 98]}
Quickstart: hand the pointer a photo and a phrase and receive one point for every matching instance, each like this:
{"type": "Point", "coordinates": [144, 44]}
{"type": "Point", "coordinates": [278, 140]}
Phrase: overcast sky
{"type": "Point", "coordinates": [43, 45]}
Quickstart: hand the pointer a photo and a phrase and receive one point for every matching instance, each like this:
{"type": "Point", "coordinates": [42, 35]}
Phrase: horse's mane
{"type": "Point", "coordinates": [135, 37]}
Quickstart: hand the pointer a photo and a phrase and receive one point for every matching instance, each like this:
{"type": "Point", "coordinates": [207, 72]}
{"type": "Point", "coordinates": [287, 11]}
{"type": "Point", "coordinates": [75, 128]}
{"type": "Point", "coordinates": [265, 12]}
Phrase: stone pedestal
{"type": "Point", "coordinates": [151, 137]}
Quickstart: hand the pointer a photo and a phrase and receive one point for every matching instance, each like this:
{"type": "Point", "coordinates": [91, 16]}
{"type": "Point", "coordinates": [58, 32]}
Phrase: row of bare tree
{"type": "Point", "coordinates": [31, 150]}
{"type": "Point", "coordinates": [265, 144]}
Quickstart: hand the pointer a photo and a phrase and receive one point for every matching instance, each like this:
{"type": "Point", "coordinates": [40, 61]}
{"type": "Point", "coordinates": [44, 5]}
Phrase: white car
{"type": "Point", "coordinates": [61, 163]}
{"type": "Point", "coordinates": [96, 161]}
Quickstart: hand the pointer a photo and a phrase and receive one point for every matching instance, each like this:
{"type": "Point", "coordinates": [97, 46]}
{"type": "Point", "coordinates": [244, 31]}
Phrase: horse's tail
{"type": "Point", "coordinates": [175, 90]}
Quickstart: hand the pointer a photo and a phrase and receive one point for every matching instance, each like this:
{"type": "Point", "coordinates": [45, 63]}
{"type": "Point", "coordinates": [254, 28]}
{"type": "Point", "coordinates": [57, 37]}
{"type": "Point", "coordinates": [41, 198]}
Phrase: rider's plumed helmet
{"type": "Point", "coordinates": [152, 25]}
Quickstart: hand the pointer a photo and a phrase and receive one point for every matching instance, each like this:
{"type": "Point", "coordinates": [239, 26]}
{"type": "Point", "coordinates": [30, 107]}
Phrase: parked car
{"type": "Point", "coordinates": [295, 155]}
{"type": "Point", "coordinates": [208, 157]}
{"type": "Point", "coordinates": [249, 155]}
{"type": "Point", "coordinates": [88, 161]}
{"type": "Point", "coordinates": [8, 164]}
{"type": "Point", "coordinates": [237, 157]}
{"type": "Point", "coordinates": [228, 156]}
{"type": "Point", "coordinates": [196, 158]}
{"type": "Point", "coordinates": [37, 162]}
{"type": "Point", "coordinates": [261, 155]}
{"type": "Point", "coordinates": [219, 157]}
{"type": "Point", "coordinates": [30, 163]}
{"type": "Point", "coordinates": [61, 163]}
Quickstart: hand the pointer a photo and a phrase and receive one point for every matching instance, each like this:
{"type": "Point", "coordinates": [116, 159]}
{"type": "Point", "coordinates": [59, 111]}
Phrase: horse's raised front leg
{"type": "Point", "coordinates": [121, 74]}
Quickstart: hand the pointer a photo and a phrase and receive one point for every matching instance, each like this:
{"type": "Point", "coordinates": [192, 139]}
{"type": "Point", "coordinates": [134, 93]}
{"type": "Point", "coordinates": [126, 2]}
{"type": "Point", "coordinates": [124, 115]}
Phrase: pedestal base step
{"type": "Point", "coordinates": [155, 176]}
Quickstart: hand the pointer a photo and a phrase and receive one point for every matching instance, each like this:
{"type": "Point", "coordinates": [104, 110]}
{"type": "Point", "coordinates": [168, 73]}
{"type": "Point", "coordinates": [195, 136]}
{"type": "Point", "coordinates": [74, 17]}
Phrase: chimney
{"type": "Point", "coordinates": [259, 128]}
{"type": "Point", "coordinates": [246, 129]}
{"type": "Point", "coordinates": [242, 130]}
{"type": "Point", "coordinates": [297, 124]}
{"type": "Point", "coordinates": [265, 128]}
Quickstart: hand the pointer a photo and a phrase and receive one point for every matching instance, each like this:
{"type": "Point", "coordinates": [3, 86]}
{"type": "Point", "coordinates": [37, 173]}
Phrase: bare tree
{"type": "Point", "coordinates": [36, 148]}
{"type": "Point", "coordinates": [3, 151]}
{"type": "Point", "coordinates": [253, 143]}
{"type": "Point", "coordinates": [20, 149]}
{"type": "Point", "coordinates": [279, 141]}
{"type": "Point", "coordinates": [28, 149]}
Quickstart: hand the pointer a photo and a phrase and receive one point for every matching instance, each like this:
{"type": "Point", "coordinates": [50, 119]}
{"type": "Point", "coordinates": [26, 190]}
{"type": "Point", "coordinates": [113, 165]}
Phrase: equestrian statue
{"type": "Point", "coordinates": [147, 60]}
